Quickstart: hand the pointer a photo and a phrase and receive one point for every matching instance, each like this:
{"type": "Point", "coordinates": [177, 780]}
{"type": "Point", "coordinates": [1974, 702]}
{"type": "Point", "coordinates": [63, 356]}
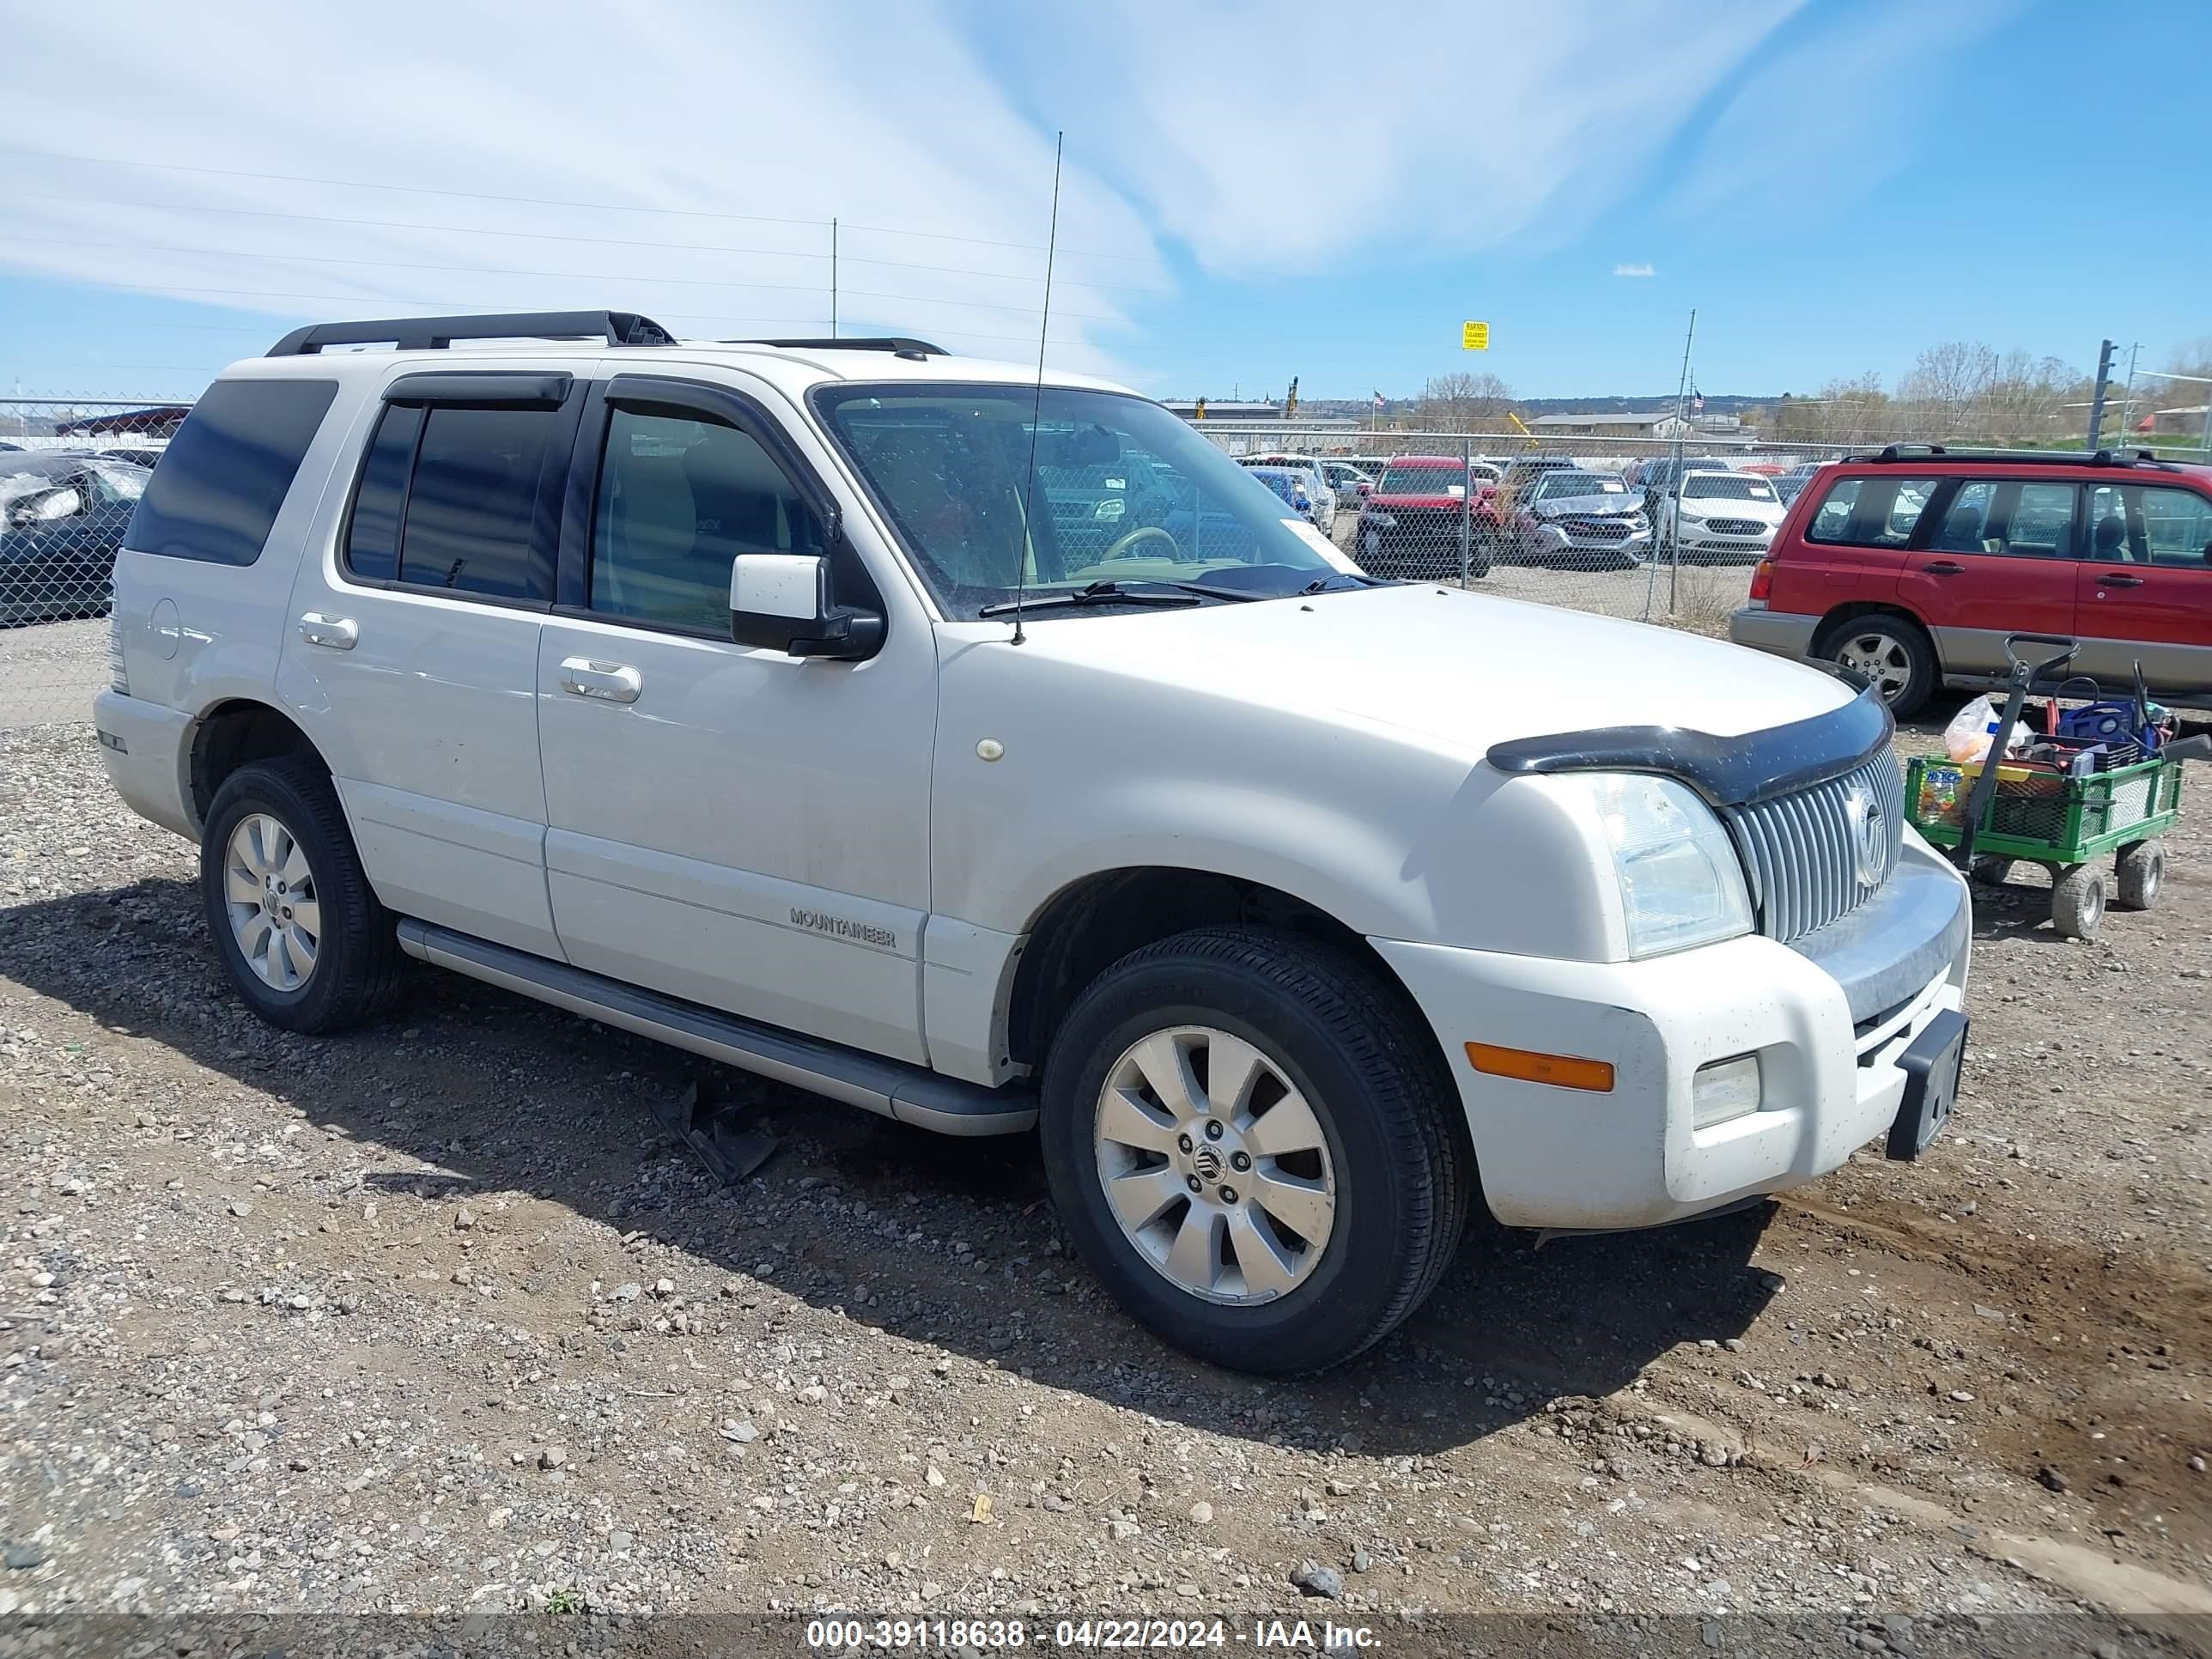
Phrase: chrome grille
{"type": "Point", "coordinates": [1735, 526]}
{"type": "Point", "coordinates": [1595, 530]}
{"type": "Point", "coordinates": [1802, 852]}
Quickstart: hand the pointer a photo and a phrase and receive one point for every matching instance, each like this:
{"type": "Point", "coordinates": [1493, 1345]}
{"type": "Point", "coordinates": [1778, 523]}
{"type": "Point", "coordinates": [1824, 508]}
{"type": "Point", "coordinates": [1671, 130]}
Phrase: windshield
{"type": "Point", "coordinates": [1556, 484]}
{"type": "Point", "coordinates": [1124, 492]}
{"type": "Point", "coordinates": [1737, 487]}
{"type": "Point", "coordinates": [1426, 481]}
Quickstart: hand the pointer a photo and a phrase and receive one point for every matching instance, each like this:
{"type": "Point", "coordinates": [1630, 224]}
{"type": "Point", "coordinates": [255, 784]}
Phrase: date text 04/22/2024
{"type": "Point", "coordinates": [1277, 1635]}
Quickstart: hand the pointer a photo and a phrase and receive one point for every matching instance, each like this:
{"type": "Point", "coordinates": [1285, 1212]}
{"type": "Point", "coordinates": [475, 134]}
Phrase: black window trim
{"type": "Point", "coordinates": [691, 399]}
{"type": "Point", "coordinates": [485, 389]}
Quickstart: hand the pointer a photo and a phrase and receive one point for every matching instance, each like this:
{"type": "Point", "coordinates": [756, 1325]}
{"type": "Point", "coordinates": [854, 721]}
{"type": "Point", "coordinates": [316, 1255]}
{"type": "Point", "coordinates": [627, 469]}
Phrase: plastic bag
{"type": "Point", "coordinates": [1973, 728]}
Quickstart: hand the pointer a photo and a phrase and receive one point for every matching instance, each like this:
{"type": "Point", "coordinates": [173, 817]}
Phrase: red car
{"type": "Point", "coordinates": [1910, 566]}
{"type": "Point", "coordinates": [1421, 513]}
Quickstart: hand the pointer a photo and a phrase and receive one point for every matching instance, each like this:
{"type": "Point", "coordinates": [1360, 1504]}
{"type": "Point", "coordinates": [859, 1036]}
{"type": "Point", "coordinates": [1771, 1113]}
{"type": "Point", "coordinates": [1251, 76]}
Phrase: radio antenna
{"type": "Point", "coordinates": [1036, 408]}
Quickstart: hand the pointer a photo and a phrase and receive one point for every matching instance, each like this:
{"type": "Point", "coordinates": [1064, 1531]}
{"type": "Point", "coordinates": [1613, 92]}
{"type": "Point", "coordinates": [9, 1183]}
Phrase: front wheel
{"type": "Point", "coordinates": [2077, 902]}
{"type": "Point", "coordinates": [2142, 870]}
{"type": "Point", "coordinates": [1250, 1143]}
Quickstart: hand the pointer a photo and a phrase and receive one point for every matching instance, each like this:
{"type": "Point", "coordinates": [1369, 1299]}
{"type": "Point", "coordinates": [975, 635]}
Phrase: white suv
{"type": "Point", "coordinates": [991, 755]}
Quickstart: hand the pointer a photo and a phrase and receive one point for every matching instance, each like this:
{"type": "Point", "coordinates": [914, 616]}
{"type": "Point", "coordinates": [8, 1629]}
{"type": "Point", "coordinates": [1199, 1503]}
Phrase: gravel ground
{"type": "Point", "coordinates": [431, 1318]}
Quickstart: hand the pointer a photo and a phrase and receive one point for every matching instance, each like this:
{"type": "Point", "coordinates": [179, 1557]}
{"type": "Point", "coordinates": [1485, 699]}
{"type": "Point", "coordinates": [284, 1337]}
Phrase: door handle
{"type": "Point", "coordinates": [339, 633]}
{"type": "Point", "coordinates": [2119, 582]}
{"type": "Point", "coordinates": [1945, 567]}
{"type": "Point", "coordinates": [606, 681]}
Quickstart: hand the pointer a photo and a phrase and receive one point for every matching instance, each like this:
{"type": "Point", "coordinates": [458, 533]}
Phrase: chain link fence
{"type": "Point", "coordinates": [1632, 527]}
{"type": "Point", "coordinates": [1652, 529]}
{"type": "Point", "coordinates": [70, 472]}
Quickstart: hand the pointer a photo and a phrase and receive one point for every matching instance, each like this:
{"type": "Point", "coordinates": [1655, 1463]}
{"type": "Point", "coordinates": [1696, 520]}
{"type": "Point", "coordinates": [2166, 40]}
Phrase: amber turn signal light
{"type": "Point", "coordinates": [1530, 1067]}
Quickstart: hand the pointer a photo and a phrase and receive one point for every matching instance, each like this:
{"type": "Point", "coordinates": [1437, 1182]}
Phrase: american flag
{"type": "Point", "coordinates": [1697, 399]}
{"type": "Point", "coordinates": [1378, 400]}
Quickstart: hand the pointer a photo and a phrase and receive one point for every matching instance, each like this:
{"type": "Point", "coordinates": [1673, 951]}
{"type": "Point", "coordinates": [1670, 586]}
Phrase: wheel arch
{"type": "Point", "coordinates": [234, 732]}
{"type": "Point", "coordinates": [1094, 921]}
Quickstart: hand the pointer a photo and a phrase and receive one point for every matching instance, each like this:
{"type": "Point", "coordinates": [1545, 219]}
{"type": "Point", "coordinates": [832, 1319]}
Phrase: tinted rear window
{"type": "Point", "coordinates": [472, 506]}
{"type": "Point", "coordinates": [227, 472]}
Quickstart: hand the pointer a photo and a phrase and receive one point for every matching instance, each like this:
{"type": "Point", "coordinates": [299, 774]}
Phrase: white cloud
{"type": "Point", "coordinates": [1634, 270]}
{"type": "Point", "coordinates": [1435, 131]}
{"type": "Point", "coordinates": [1417, 129]}
{"type": "Point", "coordinates": [875, 114]}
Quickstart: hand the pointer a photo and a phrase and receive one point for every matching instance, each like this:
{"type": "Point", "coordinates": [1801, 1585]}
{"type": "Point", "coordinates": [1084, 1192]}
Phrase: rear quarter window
{"type": "Point", "coordinates": [227, 472]}
{"type": "Point", "coordinates": [1870, 512]}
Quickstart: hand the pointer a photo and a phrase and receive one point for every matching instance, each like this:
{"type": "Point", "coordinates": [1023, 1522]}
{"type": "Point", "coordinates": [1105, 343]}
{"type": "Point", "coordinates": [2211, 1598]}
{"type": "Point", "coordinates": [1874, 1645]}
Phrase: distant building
{"type": "Point", "coordinates": [1649, 423]}
{"type": "Point", "coordinates": [1325, 434]}
{"type": "Point", "coordinates": [2188, 418]}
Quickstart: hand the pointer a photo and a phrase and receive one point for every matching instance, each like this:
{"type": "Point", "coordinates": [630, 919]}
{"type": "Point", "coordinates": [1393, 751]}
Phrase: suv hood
{"type": "Point", "coordinates": [1463, 669]}
{"type": "Point", "coordinates": [1610, 504]}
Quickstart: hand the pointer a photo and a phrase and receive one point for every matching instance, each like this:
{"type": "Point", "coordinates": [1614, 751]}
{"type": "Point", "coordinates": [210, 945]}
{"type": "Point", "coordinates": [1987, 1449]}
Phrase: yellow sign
{"type": "Point", "coordinates": [1475, 337]}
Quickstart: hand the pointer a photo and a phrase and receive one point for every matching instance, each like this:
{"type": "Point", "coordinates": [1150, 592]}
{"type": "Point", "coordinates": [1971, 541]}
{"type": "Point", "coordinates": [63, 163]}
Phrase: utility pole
{"type": "Point", "coordinates": [833, 278]}
{"type": "Point", "coordinates": [2097, 398]}
{"type": "Point", "coordinates": [1675, 521]}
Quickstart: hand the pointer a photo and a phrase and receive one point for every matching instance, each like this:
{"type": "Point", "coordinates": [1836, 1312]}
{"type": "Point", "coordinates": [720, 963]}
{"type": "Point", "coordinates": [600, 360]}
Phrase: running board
{"type": "Point", "coordinates": [889, 1088]}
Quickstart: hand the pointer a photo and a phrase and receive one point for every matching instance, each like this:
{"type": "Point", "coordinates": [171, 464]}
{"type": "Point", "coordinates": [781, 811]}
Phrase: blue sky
{"type": "Point", "coordinates": [1833, 184]}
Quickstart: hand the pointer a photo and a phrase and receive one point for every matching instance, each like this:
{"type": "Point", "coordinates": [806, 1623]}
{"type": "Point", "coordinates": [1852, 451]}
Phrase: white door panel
{"type": "Point", "coordinates": [430, 723]}
{"type": "Point", "coordinates": [747, 830]}
{"type": "Point", "coordinates": [798, 956]}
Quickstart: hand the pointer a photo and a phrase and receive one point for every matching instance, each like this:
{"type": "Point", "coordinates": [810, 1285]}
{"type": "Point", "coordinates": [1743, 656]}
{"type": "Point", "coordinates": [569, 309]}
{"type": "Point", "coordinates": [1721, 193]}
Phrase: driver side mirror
{"type": "Point", "coordinates": [44, 508]}
{"type": "Point", "coordinates": [782, 601]}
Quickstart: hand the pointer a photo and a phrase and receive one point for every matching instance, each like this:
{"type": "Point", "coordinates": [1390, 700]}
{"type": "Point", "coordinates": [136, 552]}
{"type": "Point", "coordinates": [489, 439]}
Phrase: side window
{"type": "Point", "coordinates": [372, 548]}
{"type": "Point", "coordinates": [473, 505]}
{"type": "Point", "coordinates": [1870, 512]}
{"type": "Point", "coordinates": [2177, 524]}
{"type": "Point", "coordinates": [678, 499]}
{"type": "Point", "coordinates": [1966, 522]}
{"type": "Point", "coordinates": [2041, 523]}
{"type": "Point", "coordinates": [2110, 509]}
{"type": "Point", "coordinates": [227, 472]}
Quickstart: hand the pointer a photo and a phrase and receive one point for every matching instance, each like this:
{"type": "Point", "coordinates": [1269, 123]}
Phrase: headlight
{"type": "Point", "coordinates": [1680, 879]}
{"type": "Point", "coordinates": [1381, 520]}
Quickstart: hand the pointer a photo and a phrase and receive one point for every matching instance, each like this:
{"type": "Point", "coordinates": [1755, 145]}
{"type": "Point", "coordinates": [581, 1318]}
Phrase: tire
{"type": "Point", "coordinates": [352, 963]}
{"type": "Point", "coordinates": [1892, 650]}
{"type": "Point", "coordinates": [2141, 873]}
{"type": "Point", "coordinates": [1303, 1023]}
{"type": "Point", "coordinates": [2077, 902]}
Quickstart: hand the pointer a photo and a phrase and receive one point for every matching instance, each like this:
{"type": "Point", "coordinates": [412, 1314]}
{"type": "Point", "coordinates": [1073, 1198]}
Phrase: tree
{"type": "Point", "coordinates": [1462, 401]}
{"type": "Point", "coordinates": [1949, 386]}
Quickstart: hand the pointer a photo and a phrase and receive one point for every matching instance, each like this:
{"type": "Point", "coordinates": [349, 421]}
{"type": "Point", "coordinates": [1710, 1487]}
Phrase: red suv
{"type": "Point", "coordinates": [1911, 567]}
{"type": "Point", "coordinates": [1418, 522]}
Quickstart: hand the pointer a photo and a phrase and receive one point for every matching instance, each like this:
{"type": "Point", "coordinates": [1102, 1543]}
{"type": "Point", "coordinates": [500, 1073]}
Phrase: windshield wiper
{"type": "Point", "coordinates": [1096, 594]}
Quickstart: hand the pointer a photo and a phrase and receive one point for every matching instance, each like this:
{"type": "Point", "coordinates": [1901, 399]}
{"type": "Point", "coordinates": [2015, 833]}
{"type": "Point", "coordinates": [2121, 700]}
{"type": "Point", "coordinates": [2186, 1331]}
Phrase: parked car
{"type": "Point", "coordinates": [1317, 484]}
{"type": "Point", "coordinates": [1586, 521]}
{"type": "Point", "coordinates": [1280, 902]}
{"type": "Point", "coordinates": [1719, 517]}
{"type": "Point", "coordinates": [147, 456]}
{"type": "Point", "coordinates": [1910, 566]}
{"type": "Point", "coordinates": [62, 517]}
{"type": "Point", "coordinates": [1787, 484]}
{"type": "Point", "coordinates": [1658, 474]}
{"type": "Point", "coordinates": [1300, 490]}
{"type": "Point", "coordinates": [1350, 482]}
{"type": "Point", "coordinates": [1419, 520]}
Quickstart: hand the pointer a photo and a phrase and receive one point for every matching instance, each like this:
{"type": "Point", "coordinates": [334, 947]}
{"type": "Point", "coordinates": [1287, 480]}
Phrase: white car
{"type": "Point", "coordinates": [1346, 480]}
{"type": "Point", "coordinates": [762, 699]}
{"type": "Point", "coordinates": [1319, 485]}
{"type": "Point", "coordinates": [1720, 516]}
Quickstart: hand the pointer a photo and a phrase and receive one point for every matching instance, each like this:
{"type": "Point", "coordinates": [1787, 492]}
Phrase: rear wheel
{"type": "Point", "coordinates": [1250, 1145]}
{"type": "Point", "coordinates": [295, 921]}
{"type": "Point", "coordinates": [1892, 653]}
{"type": "Point", "coordinates": [2142, 870]}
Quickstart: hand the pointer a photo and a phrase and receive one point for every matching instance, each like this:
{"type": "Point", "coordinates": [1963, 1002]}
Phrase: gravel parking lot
{"type": "Point", "coordinates": [433, 1318]}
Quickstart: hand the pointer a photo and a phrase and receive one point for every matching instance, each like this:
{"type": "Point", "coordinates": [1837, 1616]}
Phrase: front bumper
{"type": "Point", "coordinates": [1782, 632]}
{"type": "Point", "coordinates": [1559, 1157]}
{"type": "Point", "coordinates": [1635, 544]}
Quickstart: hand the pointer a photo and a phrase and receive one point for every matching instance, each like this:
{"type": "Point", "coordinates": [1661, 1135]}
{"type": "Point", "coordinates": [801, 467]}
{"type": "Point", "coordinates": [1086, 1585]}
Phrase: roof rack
{"type": "Point", "coordinates": [898, 344]}
{"type": "Point", "coordinates": [616, 328]}
{"type": "Point", "coordinates": [2015, 457]}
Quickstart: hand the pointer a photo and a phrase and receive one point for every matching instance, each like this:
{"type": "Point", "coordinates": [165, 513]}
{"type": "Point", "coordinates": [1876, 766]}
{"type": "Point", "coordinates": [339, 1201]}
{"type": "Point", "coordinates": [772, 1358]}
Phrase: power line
{"type": "Point", "coordinates": [556, 236]}
{"type": "Point", "coordinates": [543, 201]}
{"type": "Point", "coordinates": [510, 270]}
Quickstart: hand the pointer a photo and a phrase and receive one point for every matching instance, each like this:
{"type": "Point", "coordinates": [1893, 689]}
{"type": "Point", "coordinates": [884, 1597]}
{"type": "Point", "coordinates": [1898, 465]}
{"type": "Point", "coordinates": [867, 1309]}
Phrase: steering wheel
{"type": "Point", "coordinates": [1120, 548]}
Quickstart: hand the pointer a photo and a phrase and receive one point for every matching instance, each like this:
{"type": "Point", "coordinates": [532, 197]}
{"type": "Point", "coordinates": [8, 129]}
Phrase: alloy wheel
{"type": "Point", "coordinates": [270, 895]}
